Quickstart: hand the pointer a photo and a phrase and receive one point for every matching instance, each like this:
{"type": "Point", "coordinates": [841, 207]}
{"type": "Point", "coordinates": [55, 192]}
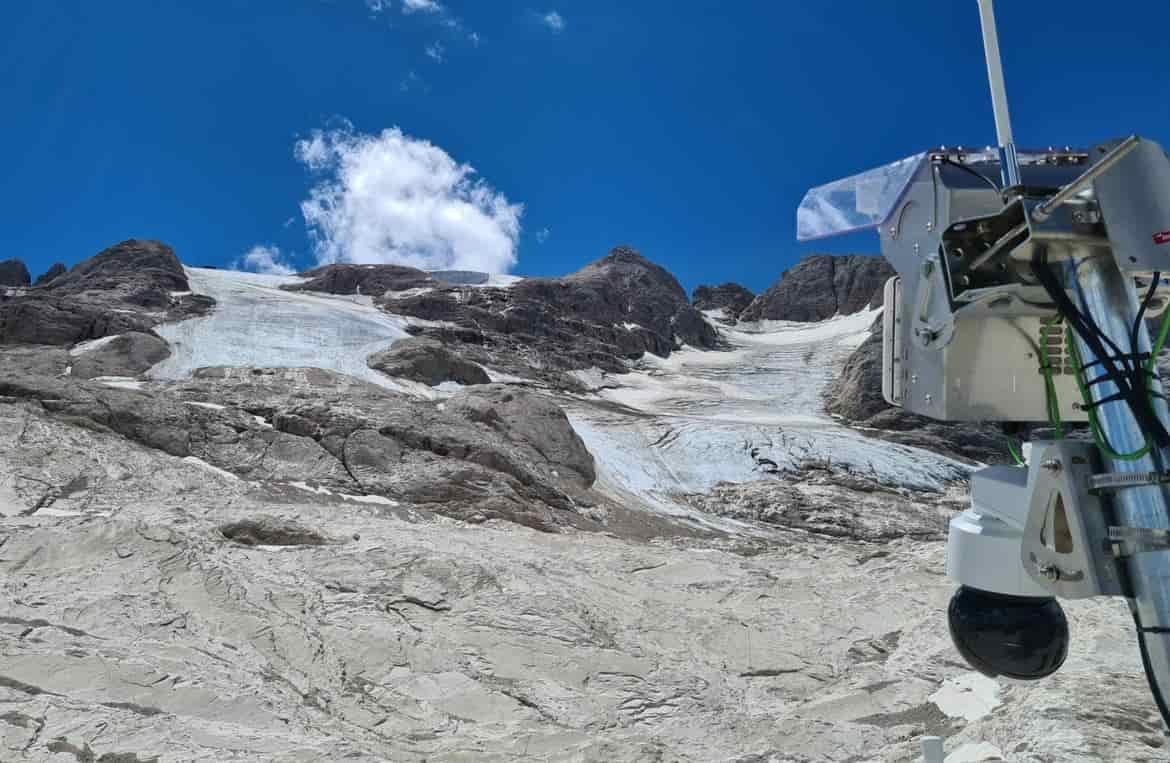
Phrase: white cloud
{"type": "Point", "coordinates": [421, 6]}
{"type": "Point", "coordinates": [391, 198]}
{"type": "Point", "coordinates": [553, 21]}
{"type": "Point", "coordinates": [436, 13]}
{"type": "Point", "coordinates": [266, 259]}
{"type": "Point", "coordinates": [542, 235]}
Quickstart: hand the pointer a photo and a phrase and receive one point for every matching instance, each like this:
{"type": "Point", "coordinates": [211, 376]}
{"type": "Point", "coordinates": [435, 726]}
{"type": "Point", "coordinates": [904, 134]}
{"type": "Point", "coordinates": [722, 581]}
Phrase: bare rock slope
{"type": "Point", "coordinates": [156, 608]}
{"type": "Point", "coordinates": [821, 286]}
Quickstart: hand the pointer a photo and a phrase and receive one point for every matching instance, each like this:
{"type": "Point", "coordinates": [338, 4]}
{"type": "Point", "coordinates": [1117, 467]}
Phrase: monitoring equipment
{"type": "Point", "coordinates": [1026, 279]}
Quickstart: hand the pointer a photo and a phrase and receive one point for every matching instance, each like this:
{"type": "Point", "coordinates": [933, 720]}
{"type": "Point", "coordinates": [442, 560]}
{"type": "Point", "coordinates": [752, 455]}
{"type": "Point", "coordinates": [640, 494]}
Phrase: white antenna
{"type": "Point", "coordinates": [1009, 164]}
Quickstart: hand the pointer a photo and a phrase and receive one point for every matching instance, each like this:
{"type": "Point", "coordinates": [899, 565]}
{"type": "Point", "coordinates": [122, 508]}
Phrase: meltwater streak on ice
{"type": "Point", "coordinates": [257, 324]}
{"type": "Point", "coordinates": [735, 416]}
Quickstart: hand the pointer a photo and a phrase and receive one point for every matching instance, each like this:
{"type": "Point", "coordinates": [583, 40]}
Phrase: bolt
{"type": "Point", "coordinates": [1053, 465]}
{"type": "Point", "coordinates": [1049, 572]}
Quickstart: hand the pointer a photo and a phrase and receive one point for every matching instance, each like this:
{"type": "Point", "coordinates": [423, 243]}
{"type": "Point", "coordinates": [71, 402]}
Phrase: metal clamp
{"type": "Point", "coordinates": [1127, 541]}
{"type": "Point", "coordinates": [1122, 480]}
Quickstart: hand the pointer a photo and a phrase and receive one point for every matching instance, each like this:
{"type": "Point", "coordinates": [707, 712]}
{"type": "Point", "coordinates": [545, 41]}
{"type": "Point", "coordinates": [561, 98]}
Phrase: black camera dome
{"type": "Point", "coordinates": [1021, 637]}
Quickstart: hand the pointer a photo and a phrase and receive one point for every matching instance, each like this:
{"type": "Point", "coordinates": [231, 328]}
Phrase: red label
{"type": "Point", "coordinates": [1162, 238]}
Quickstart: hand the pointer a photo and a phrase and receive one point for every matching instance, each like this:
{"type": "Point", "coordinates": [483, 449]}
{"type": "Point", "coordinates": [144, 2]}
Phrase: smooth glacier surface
{"type": "Point", "coordinates": [257, 324]}
{"type": "Point", "coordinates": [688, 422]}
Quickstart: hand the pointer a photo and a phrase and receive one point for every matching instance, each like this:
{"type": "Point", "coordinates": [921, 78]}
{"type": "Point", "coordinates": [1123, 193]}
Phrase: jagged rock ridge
{"type": "Point", "coordinates": [604, 315]}
{"type": "Point", "coordinates": [131, 286]}
{"type": "Point", "coordinates": [821, 286]}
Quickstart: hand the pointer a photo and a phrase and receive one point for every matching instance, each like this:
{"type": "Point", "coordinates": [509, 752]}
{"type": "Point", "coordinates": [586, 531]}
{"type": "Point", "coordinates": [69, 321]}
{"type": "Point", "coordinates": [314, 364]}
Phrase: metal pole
{"type": "Point", "coordinates": [1008, 162]}
{"type": "Point", "coordinates": [1107, 295]}
{"type": "Point", "coordinates": [932, 750]}
{"type": "Point", "coordinates": [1106, 163]}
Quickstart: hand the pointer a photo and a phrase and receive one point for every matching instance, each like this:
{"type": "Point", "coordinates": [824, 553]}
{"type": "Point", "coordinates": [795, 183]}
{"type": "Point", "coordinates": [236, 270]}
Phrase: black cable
{"type": "Point", "coordinates": [976, 173]}
{"type": "Point", "coordinates": [1129, 380]}
{"type": "Point", "coordinates": [1159, 700]}
{"type": "Point", "coordinates": [1137, 322]}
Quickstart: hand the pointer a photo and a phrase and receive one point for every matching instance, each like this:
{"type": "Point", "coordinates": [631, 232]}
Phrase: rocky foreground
{"type": "Point", "coordinates": [379, 514]}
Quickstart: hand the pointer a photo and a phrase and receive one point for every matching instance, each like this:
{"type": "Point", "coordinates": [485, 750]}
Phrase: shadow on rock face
{"type": "Point", "coordinates": [271, 531]}
{"type": "Point", "coordinates": [428, 361]}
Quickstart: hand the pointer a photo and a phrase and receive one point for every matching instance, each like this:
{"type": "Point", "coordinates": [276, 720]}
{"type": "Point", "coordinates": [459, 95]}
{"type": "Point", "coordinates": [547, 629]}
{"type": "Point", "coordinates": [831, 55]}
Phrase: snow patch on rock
{"type": "Point", "coordinates": [970, 696]}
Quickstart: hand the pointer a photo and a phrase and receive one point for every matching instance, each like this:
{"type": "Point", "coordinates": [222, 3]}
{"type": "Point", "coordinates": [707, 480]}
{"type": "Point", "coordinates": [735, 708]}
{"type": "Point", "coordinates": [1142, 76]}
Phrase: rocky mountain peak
{"type": "Point", "coordinates": [730, 297]}
{"type": "Point", "coordinates": [54, 270]}
{"type": "Point", "coordinates": [821, 286]}
{"type": "Point", "coordinates": [624, 267]}
{"type": "Point", "coordinates": [13, 273]}
{"type": "Point", "coordinates": [131, 286]}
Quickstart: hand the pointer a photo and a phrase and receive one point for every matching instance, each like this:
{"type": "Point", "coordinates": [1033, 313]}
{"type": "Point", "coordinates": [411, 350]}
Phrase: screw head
{"type": "Point", "coordinates": [1049, 572]}
{"type": "Point", "coordinates": [1052, 465]}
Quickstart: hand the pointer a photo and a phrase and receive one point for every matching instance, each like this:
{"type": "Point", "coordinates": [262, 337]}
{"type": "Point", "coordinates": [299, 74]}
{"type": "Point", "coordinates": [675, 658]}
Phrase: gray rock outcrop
{"type": "Point", "coordinates": [54, 270]}
{"type": "Point", "coordinates": [490, 452]}
{"type": "Point", "coordinates": [128, 354]}
{"type": "Point", "coordinates": [135, 272]}
{"type": "Point", "coordinates": [428, 361]}
{"type": "Point", "coordinates": [131, 286]}
{"type": "Point", "coordinates": [609, 312]}
{"type": "Point", "coordinates": [13, 273]}
{"type": "Point", "coordinates": [732, 298]}
{"type": "Point", "coordinates": [371, 280]}
{"type": "Point", "coordinates": [821, 286]}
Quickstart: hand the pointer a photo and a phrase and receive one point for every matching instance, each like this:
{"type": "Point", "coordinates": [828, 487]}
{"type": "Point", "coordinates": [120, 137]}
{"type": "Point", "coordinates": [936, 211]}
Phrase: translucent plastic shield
{"type": "Point", "coordinates": [855, 203]}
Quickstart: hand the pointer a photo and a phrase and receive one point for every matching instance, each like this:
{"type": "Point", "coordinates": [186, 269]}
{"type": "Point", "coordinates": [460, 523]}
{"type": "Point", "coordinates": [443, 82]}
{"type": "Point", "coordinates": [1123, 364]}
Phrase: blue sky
{"type": "Point", "coordinates": [689, 130]}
